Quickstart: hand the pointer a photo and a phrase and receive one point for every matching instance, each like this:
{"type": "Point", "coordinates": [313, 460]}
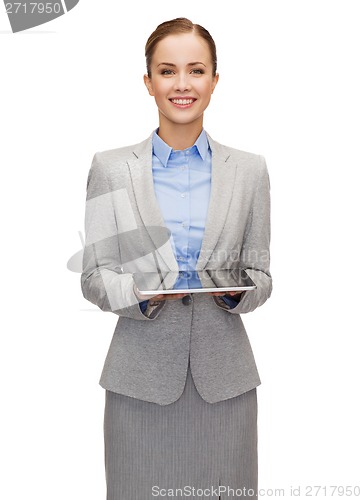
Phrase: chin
{"type": "Point", "coordinates": [183, 120]}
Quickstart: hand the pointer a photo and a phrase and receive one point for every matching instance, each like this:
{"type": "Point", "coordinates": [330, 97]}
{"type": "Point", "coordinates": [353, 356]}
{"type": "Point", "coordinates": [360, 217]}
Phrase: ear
{"type": "Point", "coordinates": [148, 82]}
{"type": "Point", "coordinates": [214, 82]}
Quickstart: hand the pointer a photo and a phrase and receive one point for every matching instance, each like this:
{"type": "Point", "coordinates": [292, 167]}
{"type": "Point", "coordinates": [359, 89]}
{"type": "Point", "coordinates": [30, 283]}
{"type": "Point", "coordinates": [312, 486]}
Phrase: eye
{"type": "Point", "coordinates": [198, 71]}
{"type": "Point", "coordinates": [166, 72]}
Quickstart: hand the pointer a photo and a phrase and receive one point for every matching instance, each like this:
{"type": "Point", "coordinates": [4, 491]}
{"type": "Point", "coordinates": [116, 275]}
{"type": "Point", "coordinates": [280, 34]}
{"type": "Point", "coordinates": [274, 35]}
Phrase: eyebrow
{"type": "Point", "coordinates": [174, 65]}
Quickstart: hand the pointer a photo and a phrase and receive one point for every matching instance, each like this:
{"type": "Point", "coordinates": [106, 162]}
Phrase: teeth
{"type": "Point", "coordinates": [182, 101]}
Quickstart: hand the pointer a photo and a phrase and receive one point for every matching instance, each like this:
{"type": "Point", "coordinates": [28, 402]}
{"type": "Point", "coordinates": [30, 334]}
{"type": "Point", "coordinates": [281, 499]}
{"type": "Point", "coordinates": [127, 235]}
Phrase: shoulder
{"type": "Point", "coordinates": [240, 158]}
{"type": "Point", "coordinates": [111, 164]}
{"type": "Point", "coordinates": [119, 155]}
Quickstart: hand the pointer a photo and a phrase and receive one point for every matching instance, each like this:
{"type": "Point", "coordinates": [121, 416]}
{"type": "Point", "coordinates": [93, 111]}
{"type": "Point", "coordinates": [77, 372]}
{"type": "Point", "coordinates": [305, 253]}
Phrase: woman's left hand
{"type": "Point", "coordinates": [232, 294]}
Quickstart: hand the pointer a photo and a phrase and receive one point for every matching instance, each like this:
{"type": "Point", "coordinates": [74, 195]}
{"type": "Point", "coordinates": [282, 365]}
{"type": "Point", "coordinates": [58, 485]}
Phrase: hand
{"type": "Point", "coordinates": [162, 296]}
{"type": "Point", "coordinates": [232, 294]}
{"type": "Point", "coordinates": [169, 296]}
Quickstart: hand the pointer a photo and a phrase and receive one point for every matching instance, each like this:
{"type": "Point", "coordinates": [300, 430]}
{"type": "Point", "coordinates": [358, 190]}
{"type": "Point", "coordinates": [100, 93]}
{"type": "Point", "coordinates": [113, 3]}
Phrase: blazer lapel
{"type": "Point", "coordinates": [222, 184]}
{"type": "Point", "coordinates": [140, 170]}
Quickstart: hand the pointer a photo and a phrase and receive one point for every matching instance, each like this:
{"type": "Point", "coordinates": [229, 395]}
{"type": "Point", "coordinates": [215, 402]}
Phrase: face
{"type": "Point", "coordinates": [181, 78]}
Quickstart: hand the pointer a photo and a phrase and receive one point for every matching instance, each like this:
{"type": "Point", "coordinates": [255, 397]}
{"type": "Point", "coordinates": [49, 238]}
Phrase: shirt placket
{"type": "Point", "coordinates": [185, 219]}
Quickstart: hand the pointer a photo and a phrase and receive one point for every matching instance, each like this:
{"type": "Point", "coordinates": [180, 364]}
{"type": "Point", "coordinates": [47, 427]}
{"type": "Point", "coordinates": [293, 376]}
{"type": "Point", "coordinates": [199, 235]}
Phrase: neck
{"type": "Point", "coordinates": [179, 135]}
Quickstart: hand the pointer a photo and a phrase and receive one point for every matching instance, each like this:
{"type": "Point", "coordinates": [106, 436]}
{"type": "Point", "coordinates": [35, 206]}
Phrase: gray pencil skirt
{"type": "Point", "coordinates": [188, 449]}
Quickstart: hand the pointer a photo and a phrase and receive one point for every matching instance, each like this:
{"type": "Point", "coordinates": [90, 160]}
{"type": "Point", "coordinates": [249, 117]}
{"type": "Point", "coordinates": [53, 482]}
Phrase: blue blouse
{"type": "Point", "coordinates": [182, 183]}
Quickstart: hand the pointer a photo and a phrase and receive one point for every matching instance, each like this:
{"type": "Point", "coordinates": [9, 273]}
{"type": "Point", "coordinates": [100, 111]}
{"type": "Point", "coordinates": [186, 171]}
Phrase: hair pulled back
{"type": "Point", "coordinates": [175, 27]}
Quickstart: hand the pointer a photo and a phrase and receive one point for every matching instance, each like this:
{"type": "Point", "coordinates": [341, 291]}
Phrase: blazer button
{"type": "Point", "coordinates": [186, 300]}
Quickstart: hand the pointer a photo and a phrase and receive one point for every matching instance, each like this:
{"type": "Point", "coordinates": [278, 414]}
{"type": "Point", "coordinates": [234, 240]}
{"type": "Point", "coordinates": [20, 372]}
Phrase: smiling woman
{"type": "Point", "coordinates": [181, 76]}
{"type": "Point", "coordinates": [180, 377]}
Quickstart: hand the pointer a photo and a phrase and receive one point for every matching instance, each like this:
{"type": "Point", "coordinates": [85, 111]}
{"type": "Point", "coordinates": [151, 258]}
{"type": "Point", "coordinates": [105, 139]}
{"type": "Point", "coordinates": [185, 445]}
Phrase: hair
{"type": "Point", "coordinates": [175, 27]}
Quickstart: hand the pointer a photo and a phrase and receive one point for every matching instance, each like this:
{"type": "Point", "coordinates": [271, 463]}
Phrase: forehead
{"type": "Point", "coordinates": [182, 48]}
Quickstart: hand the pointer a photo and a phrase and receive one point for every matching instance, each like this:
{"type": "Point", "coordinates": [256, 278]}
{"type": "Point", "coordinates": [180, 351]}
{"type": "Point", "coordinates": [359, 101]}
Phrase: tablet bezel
{"type": "Point", "coordinates": [168, 291]}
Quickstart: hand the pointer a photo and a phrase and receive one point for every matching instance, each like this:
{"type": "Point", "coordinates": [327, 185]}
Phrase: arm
{"type": "Point", "coordinates": [255, 258]}
{"type": "Point", "coordinates": [231, 300]}
{"type": "Point", "coordinates": [103, 281]}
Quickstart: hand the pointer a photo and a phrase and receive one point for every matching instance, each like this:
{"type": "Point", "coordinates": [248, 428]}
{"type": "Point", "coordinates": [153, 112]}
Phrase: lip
{"type": "Point", "coordinates": [183, 106]}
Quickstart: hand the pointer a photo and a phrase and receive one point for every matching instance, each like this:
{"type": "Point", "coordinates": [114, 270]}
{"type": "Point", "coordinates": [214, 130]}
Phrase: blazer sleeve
{"type": "Point", "coordinates": [255, 253]}
{"type": "Point", "coordinates": [103, 281]}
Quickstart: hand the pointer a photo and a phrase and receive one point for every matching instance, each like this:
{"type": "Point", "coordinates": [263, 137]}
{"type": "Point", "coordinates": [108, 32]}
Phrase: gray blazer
{"type": "Point", "coordinates": [149, 353]}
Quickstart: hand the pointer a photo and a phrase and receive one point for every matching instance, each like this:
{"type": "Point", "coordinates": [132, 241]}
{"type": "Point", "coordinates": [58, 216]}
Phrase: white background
{"type": "Point", "coordinates": [289, 89]}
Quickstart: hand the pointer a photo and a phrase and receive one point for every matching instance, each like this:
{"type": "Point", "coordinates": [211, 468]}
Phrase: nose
{"type": "Point", "coordinates": [182, 83]}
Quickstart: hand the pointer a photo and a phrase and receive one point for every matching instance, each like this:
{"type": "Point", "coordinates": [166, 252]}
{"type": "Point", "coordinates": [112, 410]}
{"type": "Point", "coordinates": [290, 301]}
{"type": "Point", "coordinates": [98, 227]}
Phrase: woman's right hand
{"type": "Point", "coordinates": [169, 296]}
{"type": "Point", "coordinates": [161, 296]}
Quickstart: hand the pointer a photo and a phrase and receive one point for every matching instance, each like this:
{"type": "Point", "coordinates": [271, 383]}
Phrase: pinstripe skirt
{"type": "Point", "coordinates": [187, 449]}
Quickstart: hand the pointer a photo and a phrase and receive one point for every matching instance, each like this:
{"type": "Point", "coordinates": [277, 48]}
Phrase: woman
{"type": "Point", "coordinates": [180, 377]}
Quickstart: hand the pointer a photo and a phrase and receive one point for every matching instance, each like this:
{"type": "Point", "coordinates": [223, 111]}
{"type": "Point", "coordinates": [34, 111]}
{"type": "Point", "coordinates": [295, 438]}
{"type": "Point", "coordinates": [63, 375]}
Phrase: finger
{"type": "Point", "coordinates": [171, 296]}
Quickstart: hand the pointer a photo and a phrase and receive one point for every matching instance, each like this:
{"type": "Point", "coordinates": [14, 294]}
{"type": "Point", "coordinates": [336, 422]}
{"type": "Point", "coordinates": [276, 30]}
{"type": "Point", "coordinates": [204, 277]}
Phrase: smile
{"type": "Point", "coordinates": [183, 103]}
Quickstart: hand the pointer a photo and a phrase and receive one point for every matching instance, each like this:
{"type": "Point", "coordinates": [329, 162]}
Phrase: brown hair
{"type": "Point", "coordinates": [175, 27]}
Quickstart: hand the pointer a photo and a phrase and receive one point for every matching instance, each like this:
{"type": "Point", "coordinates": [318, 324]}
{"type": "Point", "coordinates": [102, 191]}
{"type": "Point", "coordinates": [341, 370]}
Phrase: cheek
{"type": "Point", "coordinates": [204, 88]}
{"type": "Point", "coordinates": [160, 88]}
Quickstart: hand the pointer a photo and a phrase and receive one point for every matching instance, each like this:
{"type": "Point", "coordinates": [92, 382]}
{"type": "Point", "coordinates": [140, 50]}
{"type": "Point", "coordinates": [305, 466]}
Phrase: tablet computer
{"type": "Point", "coordinates": [207, 280]}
